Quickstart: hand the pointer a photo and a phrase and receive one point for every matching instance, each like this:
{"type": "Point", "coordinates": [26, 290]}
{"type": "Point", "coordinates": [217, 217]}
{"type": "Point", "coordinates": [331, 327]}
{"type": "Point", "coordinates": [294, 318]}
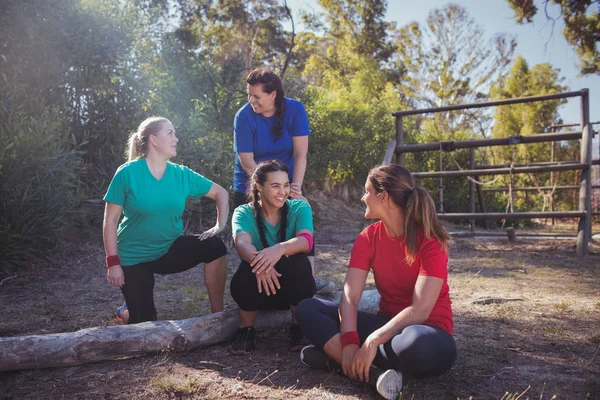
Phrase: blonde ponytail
{"type": "Point", "coordinates": [137, 144]}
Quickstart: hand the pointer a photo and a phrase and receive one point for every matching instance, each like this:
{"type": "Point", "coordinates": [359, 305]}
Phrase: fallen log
{"type": "Point", "coordinates": [116, 342]}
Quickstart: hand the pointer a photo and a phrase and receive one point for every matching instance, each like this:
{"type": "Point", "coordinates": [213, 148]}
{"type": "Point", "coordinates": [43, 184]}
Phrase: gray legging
{"type": "Point", "coordinates": [419, 350]}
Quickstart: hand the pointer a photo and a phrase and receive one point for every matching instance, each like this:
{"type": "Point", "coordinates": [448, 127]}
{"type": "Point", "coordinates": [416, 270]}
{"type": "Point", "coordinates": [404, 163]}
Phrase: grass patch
{"type": "Point", "coordinates": [554, 330]}
{"type": "Point", "coordinates": [594, 338]}
{"type": "Point", "coordinates": [563, 307]}
{"type": "Point", "coordinates": [177, 385]}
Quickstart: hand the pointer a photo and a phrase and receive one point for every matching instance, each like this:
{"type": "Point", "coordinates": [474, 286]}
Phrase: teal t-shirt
{"type": "Point", "coordinates": [299, 217]}
{"type": "Point", "coordinates": [152, 209]}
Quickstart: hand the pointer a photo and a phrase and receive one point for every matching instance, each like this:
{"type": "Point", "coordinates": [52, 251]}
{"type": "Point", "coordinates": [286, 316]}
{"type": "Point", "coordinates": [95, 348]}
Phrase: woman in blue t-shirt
{"type": "Point", "coordinates": [150, 193]}
{"type": "Point", "coordinates": [272, 235]}
{"type": "Point", "coordinates": [271, 127]}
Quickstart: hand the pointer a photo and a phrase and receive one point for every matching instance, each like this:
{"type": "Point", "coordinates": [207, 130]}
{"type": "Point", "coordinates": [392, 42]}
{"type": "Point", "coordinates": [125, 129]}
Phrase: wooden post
{"type": "Point", "coordinates": [389, 153]}
{"type": "Point", "coordinates": [472, 189]}
{"type": "Point", "coordinates": [399, 139]}
{"type": "Point", "coordinates": [511, 234]}
{"type": "Point", "coordinates": [552, 202]}
{"type": "Point", "coordinates": [584, 231]}
{"type": "Point", "coordinates": [441, 181]}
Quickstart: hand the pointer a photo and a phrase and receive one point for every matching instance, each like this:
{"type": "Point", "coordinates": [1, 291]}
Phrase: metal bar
{"type": "Point", "coordinates": [584, 230]}
{"type": "Point", "coordinates": [533, 164]}
{"type": "Point", "coordinates": [491, 103]}
{"type": "Point", "coordinates": [535, 189]}
{"type": "Point", "coordinates": [516, 215]}
{"type": "Point", "coordinates": [466, 144]}
{"type": "Point", "coordinates": [520, 234]}
{"type": "Point", "coordinates": [501, 171]}
{"type": "Point", "coordinates": [571, 125]}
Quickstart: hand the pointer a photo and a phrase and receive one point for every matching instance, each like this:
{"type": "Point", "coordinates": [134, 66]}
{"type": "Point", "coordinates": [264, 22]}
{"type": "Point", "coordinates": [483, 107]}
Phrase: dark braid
{"type": "Point", "coordinates": [259, 217]}
{"type": "Point", "coordinates": [283, 226]}
{"type": "Point", "coordinates": [270, 82]}
{"type": "Point", "coordinates": [259, 177]}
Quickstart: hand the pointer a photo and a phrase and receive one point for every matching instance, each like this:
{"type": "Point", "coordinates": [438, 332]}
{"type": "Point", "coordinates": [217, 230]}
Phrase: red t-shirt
{"type": "Point", "coordinates": [375, 249]}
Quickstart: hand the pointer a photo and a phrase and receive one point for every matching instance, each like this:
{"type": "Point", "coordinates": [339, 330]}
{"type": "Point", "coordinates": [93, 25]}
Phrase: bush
{"type": "Point", "coordinates": [39, 176]}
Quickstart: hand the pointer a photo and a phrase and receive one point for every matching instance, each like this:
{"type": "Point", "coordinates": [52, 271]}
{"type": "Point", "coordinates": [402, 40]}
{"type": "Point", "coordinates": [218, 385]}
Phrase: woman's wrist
{"type": "Point", "coordinates": [112, 261]}
{"type": "Point", "coordinates": [373, 340]}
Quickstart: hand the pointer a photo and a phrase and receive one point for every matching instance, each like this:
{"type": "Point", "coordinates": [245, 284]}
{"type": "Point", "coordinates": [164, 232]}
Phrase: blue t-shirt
{"type": "Point", "coordinates": [252, 134]}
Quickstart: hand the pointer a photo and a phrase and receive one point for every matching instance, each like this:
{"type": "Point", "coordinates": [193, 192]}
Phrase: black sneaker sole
{"type": "Point", "coordinates": [314, 358]}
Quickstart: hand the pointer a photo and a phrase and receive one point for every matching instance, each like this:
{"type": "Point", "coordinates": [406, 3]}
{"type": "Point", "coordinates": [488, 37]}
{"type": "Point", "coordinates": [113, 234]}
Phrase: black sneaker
{"type": "Point", "coordinates": [317, 359]}
{"type": "Point", "coordinates": [387, 383]}
{"type": "Point", "coordinates": [297, 338]}
{"type": "Point", "coordinates": [244, 341]}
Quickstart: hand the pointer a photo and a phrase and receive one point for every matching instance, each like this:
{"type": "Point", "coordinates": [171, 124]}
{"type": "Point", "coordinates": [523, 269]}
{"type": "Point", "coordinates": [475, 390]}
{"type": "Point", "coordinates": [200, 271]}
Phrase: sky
{"type": "Point", "coordinates": [535, 42]}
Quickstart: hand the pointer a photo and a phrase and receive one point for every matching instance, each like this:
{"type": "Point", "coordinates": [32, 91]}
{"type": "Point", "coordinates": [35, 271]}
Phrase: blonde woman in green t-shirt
{"type": "Point", "coordinates": [149, 192]}
{"type": "Point", "coordinates": [272, 235]}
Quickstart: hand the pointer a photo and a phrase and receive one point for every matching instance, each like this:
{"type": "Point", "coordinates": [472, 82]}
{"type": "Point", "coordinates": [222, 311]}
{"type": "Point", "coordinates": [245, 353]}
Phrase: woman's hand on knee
{"type": "Point", "coordinates": [264, 261]}
{"type": "Point", "coordinates": [115, 276]}
{"type": "Point", "coordinates": [348, 355]}
{"type": "Point", "coordinates": [364, 359]}
{"type": "Point", "coordinates": [268, 282]}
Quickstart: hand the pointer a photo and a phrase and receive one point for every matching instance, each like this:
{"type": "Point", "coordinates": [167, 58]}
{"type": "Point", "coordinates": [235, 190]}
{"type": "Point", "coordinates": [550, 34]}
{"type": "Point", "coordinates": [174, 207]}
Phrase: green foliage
{"type": "Point", "coordinates": [39, 176]}
{"type": "Point", "coordinates": [582, 27]}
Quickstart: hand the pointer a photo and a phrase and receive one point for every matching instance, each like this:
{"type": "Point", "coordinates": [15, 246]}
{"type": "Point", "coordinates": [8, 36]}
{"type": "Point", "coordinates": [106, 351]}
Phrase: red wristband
{"type": "Point", "coordinates": [111, 261]}
{"type": "Point", "coordinates": [349, 338]}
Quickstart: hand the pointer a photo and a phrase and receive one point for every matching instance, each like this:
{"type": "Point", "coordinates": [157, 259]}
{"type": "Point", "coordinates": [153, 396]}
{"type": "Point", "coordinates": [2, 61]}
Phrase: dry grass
{"type": "Point", "coordinates": [543, 344]}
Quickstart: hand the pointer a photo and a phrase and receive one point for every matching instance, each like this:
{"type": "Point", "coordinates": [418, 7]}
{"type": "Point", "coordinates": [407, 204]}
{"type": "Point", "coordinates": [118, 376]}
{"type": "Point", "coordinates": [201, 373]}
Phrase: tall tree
{"type": "Point", "coordinates": [582, 26]}
{"type": "Point", "coordinates": [527, 119]}
{"type": "Point", "coordinates": [448, 61]}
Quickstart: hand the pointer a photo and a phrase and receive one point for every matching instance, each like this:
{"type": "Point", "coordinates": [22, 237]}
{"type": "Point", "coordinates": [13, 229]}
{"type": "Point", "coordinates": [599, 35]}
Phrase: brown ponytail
{"type": "Point", "coordinates": [415, 202]}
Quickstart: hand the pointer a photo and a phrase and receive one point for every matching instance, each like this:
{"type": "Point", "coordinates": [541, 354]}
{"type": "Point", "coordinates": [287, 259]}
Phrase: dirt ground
{"type": "Point", "coordinates": [543, 343]}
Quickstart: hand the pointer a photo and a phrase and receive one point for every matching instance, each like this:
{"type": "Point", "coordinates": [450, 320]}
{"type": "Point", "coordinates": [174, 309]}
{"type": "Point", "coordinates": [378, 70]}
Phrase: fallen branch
{"type": "Point", "coordinates": [125, 341]}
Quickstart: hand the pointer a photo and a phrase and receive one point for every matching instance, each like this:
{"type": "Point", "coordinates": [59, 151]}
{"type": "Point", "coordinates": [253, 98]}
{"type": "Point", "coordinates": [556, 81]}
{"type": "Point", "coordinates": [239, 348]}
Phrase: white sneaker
{"type": "Point", "coordinates": [389, 384]}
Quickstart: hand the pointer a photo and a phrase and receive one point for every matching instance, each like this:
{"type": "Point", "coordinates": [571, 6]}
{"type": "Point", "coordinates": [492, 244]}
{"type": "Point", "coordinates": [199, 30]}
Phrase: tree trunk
{"type": "Point", "coordinates": [98, 344]}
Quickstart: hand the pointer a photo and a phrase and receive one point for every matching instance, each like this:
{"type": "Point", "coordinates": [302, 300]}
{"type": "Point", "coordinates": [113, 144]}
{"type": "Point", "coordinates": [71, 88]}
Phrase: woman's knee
{"type": "Point", "coordinates": [217, 248]}
{"type": "Point", "coordinates": [306, 308]}
{"type": "Point", "coordinates": [309, 309]}
{"type": "Point", "coordinates": [426, 351]}
{"type": "Point", "coordinates": [244, 289]}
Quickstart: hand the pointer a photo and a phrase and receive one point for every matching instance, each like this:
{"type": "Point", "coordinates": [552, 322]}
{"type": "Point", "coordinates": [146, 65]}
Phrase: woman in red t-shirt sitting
{"type": "Point", "coordinates": [407, 249]}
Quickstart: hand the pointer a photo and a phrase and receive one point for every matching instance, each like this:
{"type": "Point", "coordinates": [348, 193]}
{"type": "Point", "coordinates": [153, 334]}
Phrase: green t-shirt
{"type": "Point", "coordinates": [152, 209]}
{"type": "Point", "coordinates": [299, 217]}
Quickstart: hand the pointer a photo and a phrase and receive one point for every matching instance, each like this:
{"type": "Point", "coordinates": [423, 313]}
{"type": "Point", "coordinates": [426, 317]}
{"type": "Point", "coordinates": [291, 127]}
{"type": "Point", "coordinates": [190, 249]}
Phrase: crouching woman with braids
{"type": "Point", "coordinates": [407, 250]}
{"type": "Point", "coordinates": [272, 235]}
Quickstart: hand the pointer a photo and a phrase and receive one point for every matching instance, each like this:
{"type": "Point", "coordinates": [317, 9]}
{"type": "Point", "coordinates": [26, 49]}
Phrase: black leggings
{"type": "Point", "coordinates": [419, 350]}
{"type": "Point", "coordinates": [240, 198]}
{"type": "Point", "coordinates": [185, 253]}
{"type": "Point", "coordinates": [296, 283]}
